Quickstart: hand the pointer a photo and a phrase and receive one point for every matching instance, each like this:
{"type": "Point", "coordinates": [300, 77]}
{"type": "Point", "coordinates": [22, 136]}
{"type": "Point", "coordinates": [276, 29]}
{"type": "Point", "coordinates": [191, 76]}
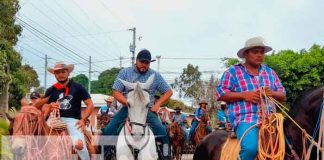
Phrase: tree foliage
{"type": "Point", "coordinates": [81, 79]}
{"type": "Point", "coordinates": [104, 83]}
{"type": "Point", "coordinates": [10, 60]}
{"type": "Point", "coordinates": [173, 103]}
{"type": "Point", "coordinates": [189, 83]}
{"type": "Point", "coordinates": [23, 80]}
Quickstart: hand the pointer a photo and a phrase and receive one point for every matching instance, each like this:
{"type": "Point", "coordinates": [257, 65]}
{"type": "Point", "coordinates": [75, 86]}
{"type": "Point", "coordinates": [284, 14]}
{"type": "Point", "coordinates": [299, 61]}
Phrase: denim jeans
{"type": "Point", "coordinates": [194, 125]}
{"type": "Point", "coordinates": [249, 144]}
{"type": "Point", "coordinates": [184, 131]}
{"type": "Point", "coordinates": [76, 134]}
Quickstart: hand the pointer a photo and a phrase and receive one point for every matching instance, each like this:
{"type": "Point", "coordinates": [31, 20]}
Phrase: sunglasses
{"type": "Point", "coordinates": [33, 98]}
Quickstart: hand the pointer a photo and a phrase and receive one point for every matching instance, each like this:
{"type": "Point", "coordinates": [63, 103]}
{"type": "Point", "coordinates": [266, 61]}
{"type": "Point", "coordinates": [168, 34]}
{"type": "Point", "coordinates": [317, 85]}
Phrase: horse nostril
{"type": "Point", "coordinates": [132, 134]}
{"type": "Point", "coordinates": [143, 135]}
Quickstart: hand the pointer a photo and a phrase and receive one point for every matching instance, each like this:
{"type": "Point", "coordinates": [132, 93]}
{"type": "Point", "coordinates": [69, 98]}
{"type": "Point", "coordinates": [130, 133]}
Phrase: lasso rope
{"type": "Point", "coordinates": [271, 141]}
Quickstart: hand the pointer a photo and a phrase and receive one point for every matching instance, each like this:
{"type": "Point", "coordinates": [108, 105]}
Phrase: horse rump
{"type": "Point", "coordinates": [210, 147]}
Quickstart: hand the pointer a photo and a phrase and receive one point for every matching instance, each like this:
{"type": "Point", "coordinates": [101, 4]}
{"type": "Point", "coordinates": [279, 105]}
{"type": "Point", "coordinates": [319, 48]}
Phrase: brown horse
{"type": "Point", "coordinates": [34, 139]}
{"type": "Point", "coordinates": [201, 131]}
{"type": "Point", "coordinates": [177, 140]}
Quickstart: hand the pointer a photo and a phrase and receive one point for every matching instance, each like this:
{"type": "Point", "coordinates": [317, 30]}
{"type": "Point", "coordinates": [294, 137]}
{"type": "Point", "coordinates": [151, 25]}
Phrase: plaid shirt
{"type": "Point", "coordinates": [237, 79]}
{"type": "Point", "coordinates": [131, 74]}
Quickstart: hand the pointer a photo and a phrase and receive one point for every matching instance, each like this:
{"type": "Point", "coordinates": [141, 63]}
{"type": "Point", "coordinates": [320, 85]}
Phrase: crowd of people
{"type": "Point", "coordinates": [238, 91]}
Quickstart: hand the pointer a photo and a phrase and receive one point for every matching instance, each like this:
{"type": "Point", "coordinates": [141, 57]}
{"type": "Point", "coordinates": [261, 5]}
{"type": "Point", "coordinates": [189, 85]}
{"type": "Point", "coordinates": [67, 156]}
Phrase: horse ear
{"type": "Point", "coordinates": [128, 84]}
{"type": "Point", "coordinates": [148, 83]}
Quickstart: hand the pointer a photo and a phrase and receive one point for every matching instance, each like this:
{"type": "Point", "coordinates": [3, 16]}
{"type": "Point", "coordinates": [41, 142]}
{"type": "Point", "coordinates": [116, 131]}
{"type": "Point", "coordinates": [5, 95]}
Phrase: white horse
{"type": "Point", "coordinates": [136, 139]}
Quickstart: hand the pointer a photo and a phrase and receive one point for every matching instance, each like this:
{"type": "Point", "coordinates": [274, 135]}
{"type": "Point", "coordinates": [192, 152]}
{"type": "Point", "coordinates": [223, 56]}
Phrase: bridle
{"type": "Point", "coordinates": [129, 124]}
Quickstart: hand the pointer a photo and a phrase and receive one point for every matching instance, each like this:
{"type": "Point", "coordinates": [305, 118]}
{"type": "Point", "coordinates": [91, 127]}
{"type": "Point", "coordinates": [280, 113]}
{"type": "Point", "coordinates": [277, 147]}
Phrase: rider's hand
{"type": "Point", "coordinates": [268, 91]}
{"type": "Point", "coordinates": [80, 124]}
{"type": "Point", "coordinates": [155, 108]}
{"type": "Point", "coordinates": [54, 106]}
{"type": "Point", "coordinates": [252, 97]}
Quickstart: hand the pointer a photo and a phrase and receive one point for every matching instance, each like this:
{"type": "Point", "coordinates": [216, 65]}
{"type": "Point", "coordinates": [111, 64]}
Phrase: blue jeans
{"type": "Point", "coordinates": [184, 131]}
{"type": "Point", "coordinates": [152, 120]}
{"type": "Point", "coordinates": [194, 125]}
{"type": "Point", "coordinates": [249, 144]}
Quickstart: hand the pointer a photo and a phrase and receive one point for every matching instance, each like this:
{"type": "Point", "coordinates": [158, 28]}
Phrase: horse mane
{"type": "Point", "coordinates": [298, 102]}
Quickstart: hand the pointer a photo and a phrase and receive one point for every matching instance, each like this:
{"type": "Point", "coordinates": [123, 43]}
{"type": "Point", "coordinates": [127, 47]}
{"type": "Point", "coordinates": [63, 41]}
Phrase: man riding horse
{"type": "Point", "coordinates": [141, 72]}
{"type": "Point", "coordinates": [180, 118]}
{"type": "Point", "coordinates": [240, 87]}
{"type": "Point", "coordinates": [198, 115]}
{"type": "Point", "coordinates": [66, 96]}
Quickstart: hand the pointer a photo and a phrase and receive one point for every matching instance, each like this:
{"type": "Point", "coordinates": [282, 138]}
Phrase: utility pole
{"type": "Point", "coordinates": [133, 46]}
{"type": "Point", "coordinates": [120, 61]}
{"type": "Point", "coordinates": [45, 75]}
{"type": "Point", "coordinates": [158, 61]}
{"type": "Point", "coordinates": [89, 83]}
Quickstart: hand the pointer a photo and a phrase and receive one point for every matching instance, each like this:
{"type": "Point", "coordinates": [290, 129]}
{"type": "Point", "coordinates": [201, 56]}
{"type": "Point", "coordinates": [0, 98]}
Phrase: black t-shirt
{"type": "Point", "coordinates": [70, 105]}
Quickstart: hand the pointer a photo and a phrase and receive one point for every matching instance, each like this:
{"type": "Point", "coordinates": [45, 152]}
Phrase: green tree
{"type": "Point", "coordinates": [81, 79]}
{"type": "Point", "coordinates": [298, 71]}
{"type": "Point", "coordinates": [189, 83]}
{"type": "Point", "coordinates": [9, 58]}
{"type": "Point", "coordinates": [105, 81]}
{"type": "Point", "coordinates": [173, 103]}
{"type": "Point", "coordinates": [22, 81]}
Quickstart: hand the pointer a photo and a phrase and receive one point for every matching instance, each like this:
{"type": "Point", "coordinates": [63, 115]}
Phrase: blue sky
{"type": "Point", "coordinates": [170, 28]}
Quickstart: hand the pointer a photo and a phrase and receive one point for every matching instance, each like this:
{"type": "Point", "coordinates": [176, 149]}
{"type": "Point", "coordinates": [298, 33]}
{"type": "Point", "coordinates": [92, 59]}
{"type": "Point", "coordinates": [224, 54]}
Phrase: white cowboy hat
{"type": "Point", "coordinates": [252, 43]}
{"type": "Point", "coordinates": [61, 65]}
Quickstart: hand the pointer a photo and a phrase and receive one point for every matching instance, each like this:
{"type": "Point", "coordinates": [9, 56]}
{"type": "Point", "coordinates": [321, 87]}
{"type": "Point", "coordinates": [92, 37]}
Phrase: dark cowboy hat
{"type": "Point", "coordinates": [177, 109]}
{"type": "Point", "coordinates": [203, 102]}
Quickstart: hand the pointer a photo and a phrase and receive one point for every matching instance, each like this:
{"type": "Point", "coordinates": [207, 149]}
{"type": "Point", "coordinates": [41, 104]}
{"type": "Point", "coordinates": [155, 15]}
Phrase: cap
{"type": "Point", "coordinates": [34, 95]}
{"type": "Point", "coordinates": [144, 55]}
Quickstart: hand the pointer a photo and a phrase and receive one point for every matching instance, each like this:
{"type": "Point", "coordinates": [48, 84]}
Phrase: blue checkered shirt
{"type": "Point", "coordinates": [131, 74]}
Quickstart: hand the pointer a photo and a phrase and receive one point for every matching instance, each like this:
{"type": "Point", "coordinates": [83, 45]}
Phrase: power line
{"type": "Point", "coordinates": [49, 17]}
{"type": "Point", "coordinates": [94, 22]}
{"type": "Point", "coordinates": [61, 45]}
{"type": "Point", "coordinates": [84, 43]}
{"type": "Point", "coordinates": [110, 12]}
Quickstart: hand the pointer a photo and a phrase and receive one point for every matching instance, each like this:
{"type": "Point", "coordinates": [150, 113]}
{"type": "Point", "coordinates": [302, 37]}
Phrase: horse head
{"type": "Point", "coordinates": [28, 122]}
{"type": "Point", "coordinates": [138, 98]}
{"type": "Point", "coordinates": [306, 112]}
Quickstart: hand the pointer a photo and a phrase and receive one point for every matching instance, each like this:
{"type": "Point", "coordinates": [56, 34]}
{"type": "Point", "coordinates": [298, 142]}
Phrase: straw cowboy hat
{"type": "Point", "coordinates": [109, 99]}
{"type": "Point", "coordinates": [61, 65]}
{"type": "Point", "coordinates": [223, 103]}
{"type": "Point", "coordinates": [203, 102]}
{"type": "Point", "coordinates": [252, 43]}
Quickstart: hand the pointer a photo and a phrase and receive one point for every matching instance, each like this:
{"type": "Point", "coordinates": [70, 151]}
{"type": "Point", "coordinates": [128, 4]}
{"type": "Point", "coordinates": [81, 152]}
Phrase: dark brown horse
{"type": "Point", "coordinates": [177, 140]}
{"type": "Point", "coordinates": [305, 110]}
{"type": "Point", "coordinates": [34, 139]}
{"type": "Point", "coordinates": [201, 131]}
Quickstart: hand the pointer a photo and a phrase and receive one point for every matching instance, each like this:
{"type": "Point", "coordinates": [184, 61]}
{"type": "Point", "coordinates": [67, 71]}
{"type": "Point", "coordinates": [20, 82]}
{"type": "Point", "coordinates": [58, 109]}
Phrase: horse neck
{"type": "Point", "coordinates": [305, 112]}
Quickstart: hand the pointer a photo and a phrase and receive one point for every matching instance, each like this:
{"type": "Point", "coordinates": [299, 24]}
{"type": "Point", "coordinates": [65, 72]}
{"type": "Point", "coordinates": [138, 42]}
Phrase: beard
{"type": "Point", "coordinates": [142, 70]}
{"type": "Point", "coordinates": [63, 81]}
